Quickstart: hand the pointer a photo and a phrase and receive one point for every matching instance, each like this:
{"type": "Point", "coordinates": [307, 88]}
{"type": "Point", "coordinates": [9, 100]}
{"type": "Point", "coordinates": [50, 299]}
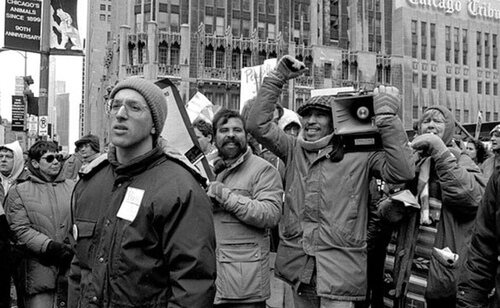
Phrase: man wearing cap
{"type": "Point", "coordinates": [89, 148]}
{"type": "Point", "coordinates": [322, 249]}
{"type": "Point", "coordinates": [492, 163]}
{"type": "Point", "coordinates": [142, 223]}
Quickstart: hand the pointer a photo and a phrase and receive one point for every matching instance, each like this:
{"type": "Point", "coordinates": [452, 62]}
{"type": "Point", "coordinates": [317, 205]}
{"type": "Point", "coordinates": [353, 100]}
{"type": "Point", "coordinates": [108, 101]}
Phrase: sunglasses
{"type": "Point", "coordinates": [50, 158]}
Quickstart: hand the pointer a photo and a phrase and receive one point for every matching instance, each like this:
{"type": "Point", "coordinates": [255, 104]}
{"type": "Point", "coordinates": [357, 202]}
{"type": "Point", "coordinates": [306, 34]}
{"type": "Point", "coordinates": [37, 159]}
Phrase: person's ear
{"type": "Point", "coordinates": [153, 131]}
{"type": "Point", "coordinates": [35, 164]}
{"type": "Point", "coordinates": [210, 138]}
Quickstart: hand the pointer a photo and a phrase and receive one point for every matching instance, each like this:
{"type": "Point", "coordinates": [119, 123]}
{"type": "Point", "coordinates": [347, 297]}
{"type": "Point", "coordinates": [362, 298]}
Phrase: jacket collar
{"type": "Point", "coordinates": [245, 156]}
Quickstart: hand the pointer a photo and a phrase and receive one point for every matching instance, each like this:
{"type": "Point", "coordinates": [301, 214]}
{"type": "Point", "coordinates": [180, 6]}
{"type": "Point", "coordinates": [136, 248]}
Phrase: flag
{"type": "Point", "coordinates": [65, 37]}
{"type": "Point", "coordinates": [178, 130]}
{"type": "Point", "coordinates": [199, 106]}
{"type": "Point", "coordinates": [478, 124]}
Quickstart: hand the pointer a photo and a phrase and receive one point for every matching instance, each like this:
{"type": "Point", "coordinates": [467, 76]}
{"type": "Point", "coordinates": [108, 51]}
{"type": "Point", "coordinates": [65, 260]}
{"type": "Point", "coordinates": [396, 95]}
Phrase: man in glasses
{"type": "Point", "coordinates": [38, 212]}
{"type": "Point", "coordinates": [142, 223]}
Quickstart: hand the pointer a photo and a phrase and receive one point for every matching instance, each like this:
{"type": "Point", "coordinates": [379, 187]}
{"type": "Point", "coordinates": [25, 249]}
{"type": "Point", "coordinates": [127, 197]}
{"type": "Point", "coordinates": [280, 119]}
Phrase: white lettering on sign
{"type": "Point", "coordinates": [485, 10]}
{"type": "Point", "coordinates": [447, 6]}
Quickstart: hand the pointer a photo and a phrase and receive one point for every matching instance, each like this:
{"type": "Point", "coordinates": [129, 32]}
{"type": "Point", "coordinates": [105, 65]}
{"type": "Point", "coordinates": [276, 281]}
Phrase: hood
{"type": "Point", "coordinates": [288, 117]}
{"type": "Point", "coordinates": [18, 167]}
{"type": "Point", "coordinates": [449, 129]}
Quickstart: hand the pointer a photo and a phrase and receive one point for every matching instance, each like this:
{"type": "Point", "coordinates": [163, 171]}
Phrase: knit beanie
{"type": "Point", "coordinates": [93, 140]}
{"type": "Point", "coordinates": [317, 102]}
{"type": "Point", "coordinates": [152, 94]}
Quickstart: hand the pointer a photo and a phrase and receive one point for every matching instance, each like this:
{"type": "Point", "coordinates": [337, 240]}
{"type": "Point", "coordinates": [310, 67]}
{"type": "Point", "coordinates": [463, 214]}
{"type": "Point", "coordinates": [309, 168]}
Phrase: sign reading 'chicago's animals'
{"type": "Point", "coordinates": [22, 24]}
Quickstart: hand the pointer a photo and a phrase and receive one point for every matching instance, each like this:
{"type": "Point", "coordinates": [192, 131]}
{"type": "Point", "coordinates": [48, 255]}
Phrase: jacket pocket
{"type": "Point", "coordinates": [239, 273]}
{"type": "Point", "coordinates": [442, 279]}
{"type": "Point", "coordinates": [83, 233]}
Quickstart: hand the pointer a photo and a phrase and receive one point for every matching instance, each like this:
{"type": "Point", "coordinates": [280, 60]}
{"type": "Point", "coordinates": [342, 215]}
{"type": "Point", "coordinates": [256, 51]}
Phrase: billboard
{"type": "Point", "coordinates": [23, 25]}
{"type": "Point", "coordinates": [18, 112]}
{"type": "Point", "coordinates": [65, 36]}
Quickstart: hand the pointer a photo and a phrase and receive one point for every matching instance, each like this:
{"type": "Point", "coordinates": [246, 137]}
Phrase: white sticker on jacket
{"type": "Point", "coordinates": [131, 203]}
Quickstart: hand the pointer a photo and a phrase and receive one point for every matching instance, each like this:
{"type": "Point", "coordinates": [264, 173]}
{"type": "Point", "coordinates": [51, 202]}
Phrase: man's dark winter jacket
{"type": "Point", "coordinates": [163, 257]}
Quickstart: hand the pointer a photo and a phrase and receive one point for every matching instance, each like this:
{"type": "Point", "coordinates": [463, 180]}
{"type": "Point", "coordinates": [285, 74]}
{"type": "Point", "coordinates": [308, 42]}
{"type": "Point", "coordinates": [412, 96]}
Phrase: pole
{"type": "Point", "coordinates": [44, 60]}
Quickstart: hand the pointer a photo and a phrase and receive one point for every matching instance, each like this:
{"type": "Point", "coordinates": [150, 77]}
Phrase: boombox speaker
{"type": "Point", "coordinates": [354, 120]}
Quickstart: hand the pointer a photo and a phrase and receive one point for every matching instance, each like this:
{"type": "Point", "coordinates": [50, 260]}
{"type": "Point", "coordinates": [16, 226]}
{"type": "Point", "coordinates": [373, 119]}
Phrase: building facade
{"type": "Point", "coordinates": [435, 52]}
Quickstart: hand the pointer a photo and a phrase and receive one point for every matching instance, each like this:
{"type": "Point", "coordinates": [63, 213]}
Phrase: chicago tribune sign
{"type": "Point", "coordinates": [475, 8]}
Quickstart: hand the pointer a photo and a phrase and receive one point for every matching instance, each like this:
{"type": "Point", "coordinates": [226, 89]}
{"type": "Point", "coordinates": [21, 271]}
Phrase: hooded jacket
{"type": "Point", "coordinates": [17, 169]}
{"type": "Point", "coordinates": [460, 186]}
{"type": "Point", "coordinates": [38, 211]}
{"type": "Point", "coordinates": [161, 255]}
{"type": "Point", "coordinates": [326, 202]}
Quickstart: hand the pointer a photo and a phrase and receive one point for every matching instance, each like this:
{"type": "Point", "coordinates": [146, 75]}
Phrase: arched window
{"type": "Point", "coordinates": [131, 47]}
{"type": "Point", "coordinates": [162, 52]}
{"type": "Point", "coordinates": [140, 52]}
{"type": "Point", "coordinates": [236, 58]}
{"type": "Point", "coordinates": [262, 56]}
{"type": "Point", "coordinates": [219, 57]}
{"type": "Point", "coordinates": [309, 64]}
{"type": "Point", "coordinates": [209, 56]}
{"type": "Point", "coordinates": [175, 51]}
{"type": "Point", "coordinates": [247, 58]}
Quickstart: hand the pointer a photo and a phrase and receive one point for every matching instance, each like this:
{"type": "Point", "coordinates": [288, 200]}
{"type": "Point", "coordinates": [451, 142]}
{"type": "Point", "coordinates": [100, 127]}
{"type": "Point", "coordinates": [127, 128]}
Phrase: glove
{"type": "Point", "coordinates": [429, 144]}
{"type": "Point", "coordinates": [386, 100]}
{"type": "Point", "coordinates": [218, 191]}
{"type": "Point", "coordinates": [57, 254]}
{"type": "Point", "coordinates": [288, 68]}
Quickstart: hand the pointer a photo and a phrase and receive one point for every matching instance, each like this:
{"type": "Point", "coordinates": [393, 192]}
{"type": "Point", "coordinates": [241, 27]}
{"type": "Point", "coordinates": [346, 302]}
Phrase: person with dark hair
{"type": "Point", "coordinates": [492, 163]}
{"type": "Point", "coordinates": [89, 148]}
{"type": "Point", "coordinates": [38, 212]}
{"type": "Point", "coordinates": [248, 196]}
{"type": "Point", "coordinates": [322, 249]}
{"type": "Point", "coordinates": [477, 152]}
{"type": "Point", "coordinates": [142, 223]}
{"type": "Point", "coordinates": [204, 133]}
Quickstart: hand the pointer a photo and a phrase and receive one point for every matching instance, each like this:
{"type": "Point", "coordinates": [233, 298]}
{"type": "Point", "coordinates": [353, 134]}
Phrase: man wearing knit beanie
{"type": "Point", "coordinates": [134, 210]}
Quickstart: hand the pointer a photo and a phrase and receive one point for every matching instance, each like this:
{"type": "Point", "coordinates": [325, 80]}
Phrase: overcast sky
{"type": "Point", "coordinates": [68, 69]}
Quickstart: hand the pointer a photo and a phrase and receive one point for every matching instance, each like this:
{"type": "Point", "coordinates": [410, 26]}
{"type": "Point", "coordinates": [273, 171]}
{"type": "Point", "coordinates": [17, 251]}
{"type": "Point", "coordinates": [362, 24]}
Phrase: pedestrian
{"type": "Point", "coordinates": [477, 152]}
{"type": "Point", "coordinates": [38, 212]}
{"type": "Point", "coordinates": [481, 272]}
{"type": "Point", "coordinates": [492, 163]}
{"type": "Point", "coordinates": [449, 187]}
{"type": "Point", "coordinates": [204, 132]}
{"type": "Point", "coordinates": [11, 165]}
{"type": "Point", "coordinates": [248, 194]}
{"type": "Point", "coordinates": [322, 249]}
{"type": "Point", "coordinates": [142, 223]}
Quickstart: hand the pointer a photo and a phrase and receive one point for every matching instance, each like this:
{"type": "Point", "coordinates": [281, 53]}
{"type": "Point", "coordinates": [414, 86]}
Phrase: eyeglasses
{"type": "Point", "coordinates": [133, 108]}
{"type": "Point", "coordinates": [6, 156]}
{"type": "Point", "coordinates": [50, 158]}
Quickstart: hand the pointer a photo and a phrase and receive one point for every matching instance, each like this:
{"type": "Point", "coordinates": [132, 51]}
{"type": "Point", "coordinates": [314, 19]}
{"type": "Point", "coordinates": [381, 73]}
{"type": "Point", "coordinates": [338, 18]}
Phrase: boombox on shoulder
{"type": "Point", "coordinates": [354, 120]}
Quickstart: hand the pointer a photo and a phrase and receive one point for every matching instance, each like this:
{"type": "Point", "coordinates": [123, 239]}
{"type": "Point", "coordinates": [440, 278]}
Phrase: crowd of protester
{"type": "Point", "coordinates": [138, 225]}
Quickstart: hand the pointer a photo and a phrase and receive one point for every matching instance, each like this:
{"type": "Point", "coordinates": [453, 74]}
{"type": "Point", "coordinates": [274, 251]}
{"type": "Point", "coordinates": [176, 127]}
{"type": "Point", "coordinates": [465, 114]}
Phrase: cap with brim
{"type": "Point", "coordinates": [495, 129]}
{"type": "Point", "coordinates": [323, 103]}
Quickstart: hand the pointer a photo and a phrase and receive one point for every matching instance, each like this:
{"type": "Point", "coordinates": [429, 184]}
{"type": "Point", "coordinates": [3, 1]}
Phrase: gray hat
{"type": "Point", "coordinates": [152, 94]}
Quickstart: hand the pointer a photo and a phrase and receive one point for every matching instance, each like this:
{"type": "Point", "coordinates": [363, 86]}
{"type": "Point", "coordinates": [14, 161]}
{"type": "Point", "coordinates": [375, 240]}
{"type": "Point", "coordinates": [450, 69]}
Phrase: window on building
{"type": "Point", "coordinates": [414, 79]}
{"type": "Point", "coordinates": [465, 47]}
{"type": "Point", "coordinates": [236, 5]}
{"type": "Point", "coordinates": [457, 84]}
{"type": "Point", "coordinates": [174, 22]}
{"type": "Point", "coordinates": [433, 41]}
{"type": "Point", "coordinates": [175, 54]}
{"type": "Point", "coordinates": [466, 86]}
{"type": "Point", "coordinates": [414, 39]}
{"type": "Point", "coordinates": [433, 82]}
{"type": "Point", "coordinates": [380, 75]}
{"type": "Point", "coordinates": [261, 31]}
{"type": "Point", "coordinates": [387, 74]}
{"type": "Point", "coordinates": [466, 116]}
{"type": "Point", "coordinates": [220, 55]}
{"type": "Point", "coordinates": [479, 87]}
{"type": "Point", "coordinates": [447, 38]}
{"type": "Point", "coordinates": [209, 56]}
{"type": "Point", "coordinates": [328, 70]}
{"type": "Point", "coordinates": [246, 28]}
{"type": "Point", "coordinates": [457, 115]}
{"type": "Point", "coordinates": [488, 116]}
{"type": "Point", "coordinates": [262, 56]}
{"type": "Point", "coordinates": [220, 3]}
{"type": "Point", "coordinates": [246, 5]}
{"type": "Point", "coordinates": [209, 24]}
{"type": "Point", "coordinates": [415, 112]}
{"type": "Point", "coordinates": [109, 8]}
{"type": "Point", "coordinates": [424, 81]}
{"type": "Point", "coordinates": [235, 102]}
{"type": "Point", "coordinates": [479, 48]}
{"type": "Point", "coordinates": [448, 84]}
{"type": "Point", "coordinates": [495, 89]}
{"type": "Point", "coordinates": [423, 37]}
{"type": "Point", "coordinates": [140, 52]}
{"type": "Point", "coordinates": [270, 7]}
{"type": "Point", "coordinates": [334, 20]}
{"type": "Point", "coordinates": [102, 17]}
{"type": "Point", "coordinates": [495, 116]}
{"type": "Point", "coordinates": [102, 7]}
{"type": "Point", "coordinates": [271, 31]}
{"type": "Point", "coordinates": [220, 26]}
{"type": "Point", "coordinates": [456, 43]}
{"type": "Point", "coordinates": [487, 88]}
{"type": "Point", "coordinates": [487, 50]}
{"type": "Point", "coordinates": [162, 52]}
{"type": "Point", "coordinates": [261, 6]}
{"type": "Point", "coordinates": [494, 61]}
{"type": "Point", "coordinates": [236, 59]}
{"type": "Point", "coordinates": [246, 60]}
{"type": "Point", "coordinates": [235, 27]}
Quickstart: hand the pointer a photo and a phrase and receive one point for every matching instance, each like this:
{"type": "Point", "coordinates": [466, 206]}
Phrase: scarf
{"type": "Point", "coordinates": [428, 194]}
